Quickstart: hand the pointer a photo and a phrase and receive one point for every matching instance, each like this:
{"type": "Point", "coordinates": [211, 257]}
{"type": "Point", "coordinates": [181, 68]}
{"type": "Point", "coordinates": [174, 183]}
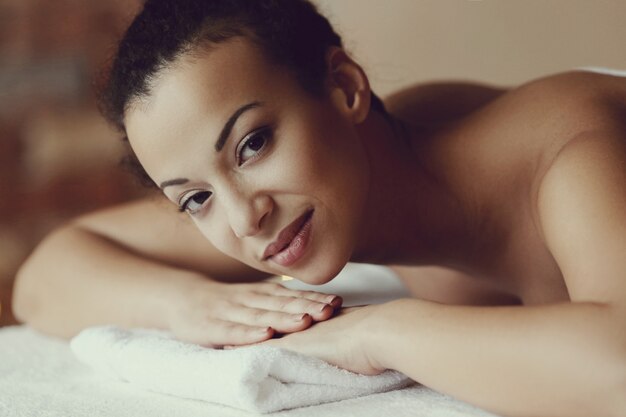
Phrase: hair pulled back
{"type": "Point", "coordinates": [291, 33]}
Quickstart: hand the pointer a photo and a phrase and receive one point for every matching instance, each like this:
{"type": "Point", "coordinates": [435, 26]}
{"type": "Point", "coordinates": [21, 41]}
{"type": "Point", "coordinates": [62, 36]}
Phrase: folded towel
{"type": "Point", "coordinates": [254, 378]}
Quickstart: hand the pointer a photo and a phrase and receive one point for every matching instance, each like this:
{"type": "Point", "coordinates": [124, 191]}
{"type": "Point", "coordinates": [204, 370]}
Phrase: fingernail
{"type": "Point", "coordinates": [300, 317]}
{"type": "Point", "coordinates": [330, 300]}
{"type": "Point", "coordinates": [336, 301]}
{"type": "Point", "coordinates": [325, 306]}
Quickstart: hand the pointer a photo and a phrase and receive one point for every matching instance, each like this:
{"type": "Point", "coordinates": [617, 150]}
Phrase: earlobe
{"type": "Point", "coordinates": [349, 85]}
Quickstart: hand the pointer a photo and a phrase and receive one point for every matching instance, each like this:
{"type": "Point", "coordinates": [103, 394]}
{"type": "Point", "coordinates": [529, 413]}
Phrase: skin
{"type": "Point", "coordinates": [514, 199]}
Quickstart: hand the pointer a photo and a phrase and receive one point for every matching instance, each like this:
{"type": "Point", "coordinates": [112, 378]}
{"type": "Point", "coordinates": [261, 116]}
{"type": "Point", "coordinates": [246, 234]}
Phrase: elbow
{"type": "Point", "coordinates": [32, 279]}
{"type": "Point", "coordinates": [23, 300]}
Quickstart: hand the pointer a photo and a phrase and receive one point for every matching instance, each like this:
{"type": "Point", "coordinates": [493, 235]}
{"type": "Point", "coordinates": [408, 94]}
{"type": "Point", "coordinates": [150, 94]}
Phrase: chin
{"type": "Point", "coordinates": [317, 279]}
{"type": "Point", "coordinates": [321, 269]}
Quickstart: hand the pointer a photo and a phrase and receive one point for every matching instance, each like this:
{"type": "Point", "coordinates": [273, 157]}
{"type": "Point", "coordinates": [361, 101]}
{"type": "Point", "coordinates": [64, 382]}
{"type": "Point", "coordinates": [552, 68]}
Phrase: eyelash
{"type": "Point", "coordinates": [184, 203]}
{"type": "Point", "coordinates": [264, 132]}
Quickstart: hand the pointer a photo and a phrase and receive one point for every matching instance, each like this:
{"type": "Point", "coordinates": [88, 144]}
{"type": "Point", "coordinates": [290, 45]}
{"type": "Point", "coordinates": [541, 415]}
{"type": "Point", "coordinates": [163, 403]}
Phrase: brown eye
{"type": "Point", "coordinates": [256, 143]}
{"type": "Point", "coordinates": [252, 145]}
{"type": "Point", "coordinates": [194, 203]}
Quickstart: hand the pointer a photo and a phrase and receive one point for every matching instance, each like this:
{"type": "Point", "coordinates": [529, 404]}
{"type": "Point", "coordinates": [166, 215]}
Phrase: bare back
{"type": "Point", "coordinates": [497, 147]}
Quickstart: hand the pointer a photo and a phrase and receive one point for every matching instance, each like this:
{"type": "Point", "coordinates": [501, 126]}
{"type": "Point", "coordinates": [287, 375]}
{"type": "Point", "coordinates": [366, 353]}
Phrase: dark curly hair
{"type": "Point", "coordinates": [290, 32]}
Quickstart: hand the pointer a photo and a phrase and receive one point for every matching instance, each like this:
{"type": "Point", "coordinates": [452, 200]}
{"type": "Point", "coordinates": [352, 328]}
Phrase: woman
{"type": "Point", "coordinates": [504, 211]}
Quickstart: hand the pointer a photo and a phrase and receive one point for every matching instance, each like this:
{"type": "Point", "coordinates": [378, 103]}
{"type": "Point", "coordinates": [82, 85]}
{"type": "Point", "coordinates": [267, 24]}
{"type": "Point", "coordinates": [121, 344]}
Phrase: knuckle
{"type": "Point", "coordinates": [258, 315]}
{"type": "Point", "coordinates": [314, 306]}
{"type": "Point", "coordinates": [239, 298]}
{"type": "Point", "coordinates": [317, 296]}
{"type": "Point", "coordinates": [233, 330]}
{"type": "Point", "coordinates": [300, 294]}
{"type": "Point", "coordinates": [229, 327]}
{"type": "Point", "coordinates": [219, 304]}
{"type": "Point", "coordinates": [273, 286]}
{"type": "Point", "coordinates": [286, 302]}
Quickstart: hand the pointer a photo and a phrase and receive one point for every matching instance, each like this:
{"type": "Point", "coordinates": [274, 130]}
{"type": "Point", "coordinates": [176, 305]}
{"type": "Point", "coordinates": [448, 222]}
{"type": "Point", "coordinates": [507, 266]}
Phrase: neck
{"type": "Point", "coordinates": [412, 215]}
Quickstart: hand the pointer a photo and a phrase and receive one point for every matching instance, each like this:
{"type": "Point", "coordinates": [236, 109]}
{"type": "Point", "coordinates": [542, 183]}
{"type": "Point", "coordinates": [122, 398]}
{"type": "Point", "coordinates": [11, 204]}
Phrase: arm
{"type": "Point", "coordinates": [558, 360]}
{"type": "Point", "coordinates": [143, 265]}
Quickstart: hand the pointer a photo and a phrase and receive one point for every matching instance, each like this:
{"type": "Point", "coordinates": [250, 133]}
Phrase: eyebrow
{"type": "Point", "coordinates": [221, 140]}
{"type": "Point", "coordinates": [176, 181]}
{"type": "Point", "coordinates": [228, 127]}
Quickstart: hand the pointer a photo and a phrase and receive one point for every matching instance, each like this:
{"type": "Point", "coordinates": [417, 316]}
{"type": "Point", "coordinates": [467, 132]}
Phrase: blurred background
{"type": "Point", "coordinates": [59, 159]}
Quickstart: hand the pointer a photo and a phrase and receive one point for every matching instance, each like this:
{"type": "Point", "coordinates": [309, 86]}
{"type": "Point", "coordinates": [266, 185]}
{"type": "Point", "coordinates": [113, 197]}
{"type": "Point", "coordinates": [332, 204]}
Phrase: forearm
{"type": "Point", "coordinates": [76, 279]}
{"type": "Point", "coordinates": [557, 360]}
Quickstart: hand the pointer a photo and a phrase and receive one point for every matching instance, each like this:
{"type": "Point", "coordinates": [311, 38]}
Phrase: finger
{"type": "Point", "coordinates": [217, 333]}
{"type": "Point", "coordinates": [279, 321]}
{"type": "Point", "coordinates": [272, 288]}
{"type": "Point", "coordinates": [288, 304]}
{"type": "Point", "coordinates": [336, 301]}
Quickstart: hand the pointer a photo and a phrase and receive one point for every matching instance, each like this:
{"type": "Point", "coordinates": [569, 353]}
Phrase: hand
{"type": "Point", "coordinates": [342, 341]}
{"type": "Point", "coordinates": [215, 314]}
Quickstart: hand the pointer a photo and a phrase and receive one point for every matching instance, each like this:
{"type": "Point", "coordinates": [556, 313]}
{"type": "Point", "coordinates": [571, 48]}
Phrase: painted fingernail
{"type": "Point", "coordinates": [325, 306]}
{"type": "Point", "coordinates": [335, 300]}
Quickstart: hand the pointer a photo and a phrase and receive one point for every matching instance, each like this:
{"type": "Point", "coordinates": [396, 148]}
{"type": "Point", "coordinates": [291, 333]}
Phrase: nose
{"type": "Point", "coordinates": [246, 216]}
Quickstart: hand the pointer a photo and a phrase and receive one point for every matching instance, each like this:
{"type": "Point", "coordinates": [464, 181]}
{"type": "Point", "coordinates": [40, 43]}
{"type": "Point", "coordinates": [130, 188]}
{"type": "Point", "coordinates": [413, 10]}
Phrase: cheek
{"type": "Point", "coordinates": [322, 156]}
{"type": "Point", "coordinates": [216, 229]}
{"type": "Point", "coordinates": [340, 169]}
{"type": "Point", "coordinates": [332, 171]}
{"type": "Point", "coordinates": [218, 233]}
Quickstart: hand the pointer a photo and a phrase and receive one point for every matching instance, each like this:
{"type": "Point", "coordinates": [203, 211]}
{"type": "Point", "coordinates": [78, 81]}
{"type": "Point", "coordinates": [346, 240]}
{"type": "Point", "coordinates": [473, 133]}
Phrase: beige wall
{"type": "Point", "coordinates": [401, 42]}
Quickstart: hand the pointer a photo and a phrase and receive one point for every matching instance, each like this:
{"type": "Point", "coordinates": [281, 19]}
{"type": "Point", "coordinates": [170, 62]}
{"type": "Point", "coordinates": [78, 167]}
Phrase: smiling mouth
{"type": "Point", "coordinates": [291, 242]}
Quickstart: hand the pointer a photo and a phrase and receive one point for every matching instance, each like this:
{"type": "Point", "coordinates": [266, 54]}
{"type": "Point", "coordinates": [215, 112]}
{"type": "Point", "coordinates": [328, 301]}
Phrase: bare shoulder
{"type": "Point", "coordinates": [570, 114]}
{"type": "Point", "coordinates": [576, 100]}
{"type": "Point", "coordinates": [528, 126]}
{"type": "Point", "coordinates": [580, 209]}
{"type": "Point", "coordinates": [580, 194]}
{"type": "Point", "coordinates": [575, 82]}
{"type": "Point", "coordinates": [153, 228]}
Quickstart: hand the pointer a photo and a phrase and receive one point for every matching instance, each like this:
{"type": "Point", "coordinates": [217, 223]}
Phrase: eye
{"type": "Point", "coordinates": [252, 145]}
{"type": "Point", "coordinates": [192, 202]}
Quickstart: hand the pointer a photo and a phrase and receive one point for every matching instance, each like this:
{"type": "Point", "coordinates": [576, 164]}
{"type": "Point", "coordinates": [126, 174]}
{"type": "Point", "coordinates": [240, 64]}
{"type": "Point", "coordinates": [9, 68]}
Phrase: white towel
{"type": "Point", "coordinates": [254, 378]}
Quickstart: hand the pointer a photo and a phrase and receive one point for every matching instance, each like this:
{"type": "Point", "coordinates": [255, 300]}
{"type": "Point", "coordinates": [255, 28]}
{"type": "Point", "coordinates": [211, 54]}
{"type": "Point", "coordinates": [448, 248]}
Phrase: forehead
{"type": "Point", "coordinates": [197, 94]}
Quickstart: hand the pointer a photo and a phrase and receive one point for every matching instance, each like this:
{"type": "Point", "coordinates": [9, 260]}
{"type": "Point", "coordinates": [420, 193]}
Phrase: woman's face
{"type": "Point", "coordinates": [271, 175]}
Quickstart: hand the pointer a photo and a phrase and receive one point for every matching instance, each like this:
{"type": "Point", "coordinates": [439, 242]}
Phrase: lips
{"type": "Point", "coordinates": [286, 236]}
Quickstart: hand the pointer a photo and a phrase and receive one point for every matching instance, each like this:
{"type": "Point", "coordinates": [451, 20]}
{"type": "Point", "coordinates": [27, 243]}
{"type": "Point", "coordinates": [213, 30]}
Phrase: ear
{"type": "Point", "coordinates": [349, 86]}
